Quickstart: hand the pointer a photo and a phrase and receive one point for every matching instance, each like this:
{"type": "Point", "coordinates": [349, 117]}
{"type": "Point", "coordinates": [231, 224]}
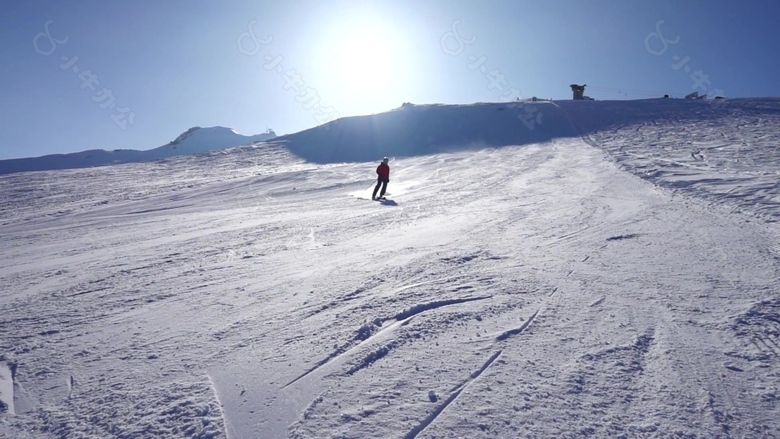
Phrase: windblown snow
{"type": "Point", "coordinates": [612, 272]}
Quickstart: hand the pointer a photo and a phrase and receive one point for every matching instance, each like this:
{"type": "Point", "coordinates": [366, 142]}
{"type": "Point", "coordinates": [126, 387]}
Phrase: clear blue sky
{"type": "Point", "coordinates": [176, 63]}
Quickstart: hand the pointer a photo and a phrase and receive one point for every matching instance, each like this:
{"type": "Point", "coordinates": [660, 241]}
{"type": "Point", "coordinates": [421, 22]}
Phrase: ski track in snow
{"type": "Point", "coordinates": [533, 291]}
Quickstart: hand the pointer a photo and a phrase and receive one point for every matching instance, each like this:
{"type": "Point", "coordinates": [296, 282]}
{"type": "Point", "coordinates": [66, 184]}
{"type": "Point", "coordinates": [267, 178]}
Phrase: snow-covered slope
{"type": "Point", "coordinates": [425, 129]}
{"type": "Point", "coordinates": [193, 141]}
{"type": "Point", "coordinates": [725, 150]}
{"type": "Point", "coordinates": [532, 290]}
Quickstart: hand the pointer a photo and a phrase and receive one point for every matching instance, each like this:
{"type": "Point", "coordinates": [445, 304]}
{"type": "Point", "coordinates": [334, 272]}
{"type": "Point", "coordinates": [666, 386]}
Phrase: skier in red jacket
{"type": "Point", "coordinates": [383, 171]}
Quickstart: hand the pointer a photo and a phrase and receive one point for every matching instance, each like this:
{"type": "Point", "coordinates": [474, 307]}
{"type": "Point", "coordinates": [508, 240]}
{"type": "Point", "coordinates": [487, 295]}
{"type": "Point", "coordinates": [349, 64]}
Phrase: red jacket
{"type": "Point", "coordinates": [383, 171]}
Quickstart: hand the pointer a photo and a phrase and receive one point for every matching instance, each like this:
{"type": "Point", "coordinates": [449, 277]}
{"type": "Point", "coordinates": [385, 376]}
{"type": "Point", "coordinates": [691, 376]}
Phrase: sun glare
{"type": "Point", "coordinates": [363, 59]}
{"type": "Point", "coordinates": [365, 63]}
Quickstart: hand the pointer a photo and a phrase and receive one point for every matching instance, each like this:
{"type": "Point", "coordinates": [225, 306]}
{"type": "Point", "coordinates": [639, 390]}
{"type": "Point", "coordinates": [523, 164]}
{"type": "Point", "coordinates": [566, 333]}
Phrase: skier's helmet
{"type": "Point", "coordinates": [385, 160]}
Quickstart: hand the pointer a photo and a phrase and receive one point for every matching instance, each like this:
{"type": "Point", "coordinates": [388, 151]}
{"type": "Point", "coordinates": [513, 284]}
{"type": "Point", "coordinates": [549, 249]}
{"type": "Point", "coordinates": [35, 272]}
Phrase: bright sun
{"type": "Point", "coordinates": [365, 63]}
{"type": "Point", "coordinates": [363, 60]}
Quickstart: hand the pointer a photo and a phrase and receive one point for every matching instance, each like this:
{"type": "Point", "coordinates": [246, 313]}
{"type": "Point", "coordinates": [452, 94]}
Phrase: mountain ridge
{"type": "Point", "coordinates": [192, 141]}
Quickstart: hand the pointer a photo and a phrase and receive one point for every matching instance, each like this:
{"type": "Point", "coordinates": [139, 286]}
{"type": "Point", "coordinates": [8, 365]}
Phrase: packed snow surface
{"type": "Point", "coordinates": [612, 272]}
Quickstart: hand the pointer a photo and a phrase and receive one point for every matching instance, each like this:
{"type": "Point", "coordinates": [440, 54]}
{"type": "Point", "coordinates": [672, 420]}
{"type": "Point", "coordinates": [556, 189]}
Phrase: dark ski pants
{"type": "Point", "coordinates": [383, 184]}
